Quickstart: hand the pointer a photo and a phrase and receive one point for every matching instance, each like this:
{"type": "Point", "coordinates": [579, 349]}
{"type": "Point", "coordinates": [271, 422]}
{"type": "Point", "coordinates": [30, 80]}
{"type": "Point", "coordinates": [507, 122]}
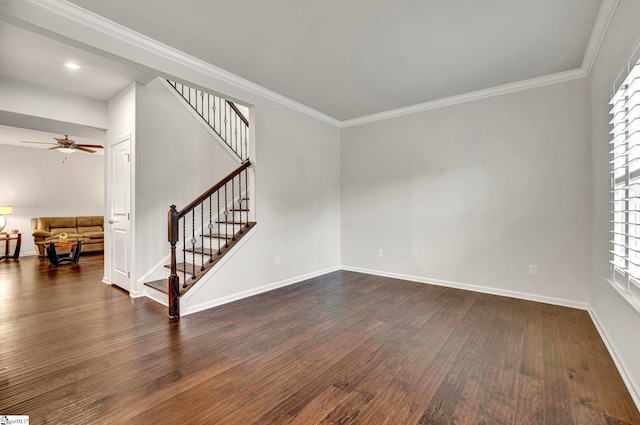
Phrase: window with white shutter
{"type": "Point", "coordinates": [625, 185]}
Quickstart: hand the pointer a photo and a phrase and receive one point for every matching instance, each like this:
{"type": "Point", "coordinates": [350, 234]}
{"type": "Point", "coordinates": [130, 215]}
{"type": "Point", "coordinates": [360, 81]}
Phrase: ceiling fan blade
{"type": "Point", "coordinates": [90, 146]}
{"type": "Point", "coordinates": [39, 143]}
{"type": "Point", "coordinates": [83, 149]}
{"type": "Point", "coordinates": [56, 147]}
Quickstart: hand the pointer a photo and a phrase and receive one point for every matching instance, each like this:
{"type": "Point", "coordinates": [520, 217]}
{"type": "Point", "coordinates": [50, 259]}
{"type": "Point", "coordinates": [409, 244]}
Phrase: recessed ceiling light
{"type": "Point", "coordinates": [71, 65]}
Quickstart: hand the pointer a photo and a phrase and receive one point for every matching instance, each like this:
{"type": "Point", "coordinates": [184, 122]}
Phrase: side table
{"type": "Point", "coordinates": [7, 238]}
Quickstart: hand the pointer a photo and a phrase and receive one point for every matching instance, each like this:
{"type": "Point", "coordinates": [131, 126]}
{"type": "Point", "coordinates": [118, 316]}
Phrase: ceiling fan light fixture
{"type": "Point", "coordinates": [72, 65]}
{"type": "Point", "coordinates": [67, 150]}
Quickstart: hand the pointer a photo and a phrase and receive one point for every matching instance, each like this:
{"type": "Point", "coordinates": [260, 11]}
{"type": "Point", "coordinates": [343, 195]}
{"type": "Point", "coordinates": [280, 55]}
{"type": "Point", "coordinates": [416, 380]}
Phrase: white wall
{"type": "Point", "coordinates": [297, 168]}
{"type": "Point", "coordinates": [44, 102]}
{"type": "Point", "coordinates": [121, 115]}
{"type": "Point", "coordinates": [37, 183]}
{"type": "Point", "coordinates": [474, 193]}
{"type": "Point", "coordinates": [177, 160]}
{"type": "Point", "coordinates": [619, 321]}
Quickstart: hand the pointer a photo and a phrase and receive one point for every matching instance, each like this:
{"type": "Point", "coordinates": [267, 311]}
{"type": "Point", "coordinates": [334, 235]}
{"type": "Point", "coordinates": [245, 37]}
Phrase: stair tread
{"type": "Point", "coordinates": [233, 222]}
{"type": "Point", "coordinates": [239, 209]}
{"type": "Point", "coordinates": [159, 285]}
{"type": "Point", "coordinates": [206, 250]}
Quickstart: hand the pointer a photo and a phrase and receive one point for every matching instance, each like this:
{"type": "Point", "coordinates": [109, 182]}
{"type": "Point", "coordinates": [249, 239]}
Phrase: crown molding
{"type": "Point", "coordinates": [600, 29]}
{"type": "Point", "coordinates": [469, 97]}
{"type": "Point", "coordinates": [79, 16]}
{"type": "Point", "coordinates": [84, 18]}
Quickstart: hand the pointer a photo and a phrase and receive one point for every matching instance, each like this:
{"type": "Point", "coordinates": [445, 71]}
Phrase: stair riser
{"type": "Point", "coordinates": [229, 229]}
{"type": "Point", "coordinates": [199, 257]}
{"type": "Point", "coordinates": [232, 216]}
{"type": "Point", "coordinates": [240, 216]}
{"type": "Point", "coordinates": [190, 271]}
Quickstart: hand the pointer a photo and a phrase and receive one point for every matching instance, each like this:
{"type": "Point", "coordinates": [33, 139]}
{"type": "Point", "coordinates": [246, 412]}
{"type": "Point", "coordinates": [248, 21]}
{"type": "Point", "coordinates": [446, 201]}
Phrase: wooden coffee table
{"type": "Point", "coordinates": [55, 258]}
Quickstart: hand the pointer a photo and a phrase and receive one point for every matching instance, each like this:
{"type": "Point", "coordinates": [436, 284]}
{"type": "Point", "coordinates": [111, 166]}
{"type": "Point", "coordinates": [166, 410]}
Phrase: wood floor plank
{"type": "Point", "coordinates": [558, 406]}
{"type": "Point", "coordinates": [340, 348]}
{"type": "Point", "coordinates": [386, 400]}
{"type": "Point", "coordinates": [472, 404]}
{"type": "Point", "coordinates": [529, 404]}
{"type": "Point", "coordinates": [427, 368]}
{"type": "Point", "coordinates": [586, 405]}
{"type": "Point", "coordinates": [317, 409]}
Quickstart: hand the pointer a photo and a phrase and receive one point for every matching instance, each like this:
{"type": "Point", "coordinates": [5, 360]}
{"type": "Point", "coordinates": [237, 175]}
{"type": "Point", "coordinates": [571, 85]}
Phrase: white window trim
{"type": "Point", "coordinates": [624, 294]}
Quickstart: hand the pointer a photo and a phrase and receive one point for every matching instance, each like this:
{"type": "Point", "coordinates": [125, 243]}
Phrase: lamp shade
{"type": "Point", "coordinates": [6, 210]}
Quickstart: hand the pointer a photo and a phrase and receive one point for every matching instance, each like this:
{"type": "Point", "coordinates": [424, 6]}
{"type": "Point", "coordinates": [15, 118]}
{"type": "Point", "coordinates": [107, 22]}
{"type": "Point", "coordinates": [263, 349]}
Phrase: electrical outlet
{"type": "Point", "coordinates": [379, 253]}
{"type": "Point", "coordinates": [533, 270]}
{"type": "Point", "coordinates": [277, 261]}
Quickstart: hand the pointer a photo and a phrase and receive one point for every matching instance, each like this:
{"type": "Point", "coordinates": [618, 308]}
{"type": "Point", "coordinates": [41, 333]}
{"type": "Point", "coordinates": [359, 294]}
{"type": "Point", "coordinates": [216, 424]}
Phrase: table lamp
{"type": "Point", "coordinates": [4, 211]}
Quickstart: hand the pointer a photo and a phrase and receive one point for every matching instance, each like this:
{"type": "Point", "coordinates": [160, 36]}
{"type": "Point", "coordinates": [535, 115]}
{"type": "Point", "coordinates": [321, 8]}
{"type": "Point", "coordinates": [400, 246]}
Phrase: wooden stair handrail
{"type": "Point", "coordinates": [237, 111]}
{"type": "Point", "coordinates": [215, 187]}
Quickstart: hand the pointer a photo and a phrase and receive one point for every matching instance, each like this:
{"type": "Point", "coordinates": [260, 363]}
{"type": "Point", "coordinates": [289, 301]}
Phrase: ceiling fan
{"type": "Point", "coordinates": [67, 145]}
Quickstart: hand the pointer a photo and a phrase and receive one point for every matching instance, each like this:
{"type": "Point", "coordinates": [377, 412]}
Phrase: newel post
{"type": "Point", "coordinates": [174, 284]}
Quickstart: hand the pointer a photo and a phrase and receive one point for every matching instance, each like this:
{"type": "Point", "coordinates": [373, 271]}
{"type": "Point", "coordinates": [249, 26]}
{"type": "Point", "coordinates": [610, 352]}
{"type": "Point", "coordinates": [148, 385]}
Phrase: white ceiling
{"type": "Point", "coordinates": [349, 59]}
{"type": "Point", "coordinates": [31, 57]}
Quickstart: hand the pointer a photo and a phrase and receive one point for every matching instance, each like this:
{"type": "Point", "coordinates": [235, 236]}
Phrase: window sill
{"type": "Point", "coordinates": [627, 297]}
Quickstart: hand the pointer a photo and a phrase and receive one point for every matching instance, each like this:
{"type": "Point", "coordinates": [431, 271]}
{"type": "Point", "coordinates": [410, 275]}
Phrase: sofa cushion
{"type": "Point", "coordinates": [93, 235]}
{"type": "Point", "coordinates": [41, 233]}
{"type": "Point", "coordinates": [90, 229]}
{"type": "Point", "coordinates": [68, 230]}
{"type": "Point", "coordinates": [48, 223]}
{"type": "Point", "coordinates": [90, 221]}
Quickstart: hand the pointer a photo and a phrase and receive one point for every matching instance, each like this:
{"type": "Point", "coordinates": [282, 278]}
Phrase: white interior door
{"type": "Point", "coordinates": [120, 212]}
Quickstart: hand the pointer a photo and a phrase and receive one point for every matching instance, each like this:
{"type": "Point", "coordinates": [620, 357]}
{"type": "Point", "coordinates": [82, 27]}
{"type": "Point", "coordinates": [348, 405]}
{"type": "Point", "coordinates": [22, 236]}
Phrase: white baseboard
{"type": "Point", "coordinates": [254, 291]}
{"type": "Point", "coordinates": [474, 288]}
{"type": "Point", "coordinates": [629, 381]}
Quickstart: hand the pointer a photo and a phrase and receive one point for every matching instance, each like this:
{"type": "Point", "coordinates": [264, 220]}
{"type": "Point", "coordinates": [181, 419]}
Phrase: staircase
{"type": "Point", "coordinates": [203, 232]}
{"type": "Point", "coordinates": [221, 115]}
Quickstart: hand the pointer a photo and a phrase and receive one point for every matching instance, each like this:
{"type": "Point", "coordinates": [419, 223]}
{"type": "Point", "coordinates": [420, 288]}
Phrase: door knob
{"type": "Point", "coordinates": [111, 222]}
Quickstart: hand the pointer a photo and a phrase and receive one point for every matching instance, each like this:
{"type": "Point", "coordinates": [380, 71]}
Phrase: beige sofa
{"type": "Point", "coordinates": [90, 227]}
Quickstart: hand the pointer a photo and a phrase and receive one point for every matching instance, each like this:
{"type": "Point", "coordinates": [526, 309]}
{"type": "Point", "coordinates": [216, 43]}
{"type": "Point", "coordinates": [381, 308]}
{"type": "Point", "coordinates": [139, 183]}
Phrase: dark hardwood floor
{"type": "Point", "coordinates": [338, 349]}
